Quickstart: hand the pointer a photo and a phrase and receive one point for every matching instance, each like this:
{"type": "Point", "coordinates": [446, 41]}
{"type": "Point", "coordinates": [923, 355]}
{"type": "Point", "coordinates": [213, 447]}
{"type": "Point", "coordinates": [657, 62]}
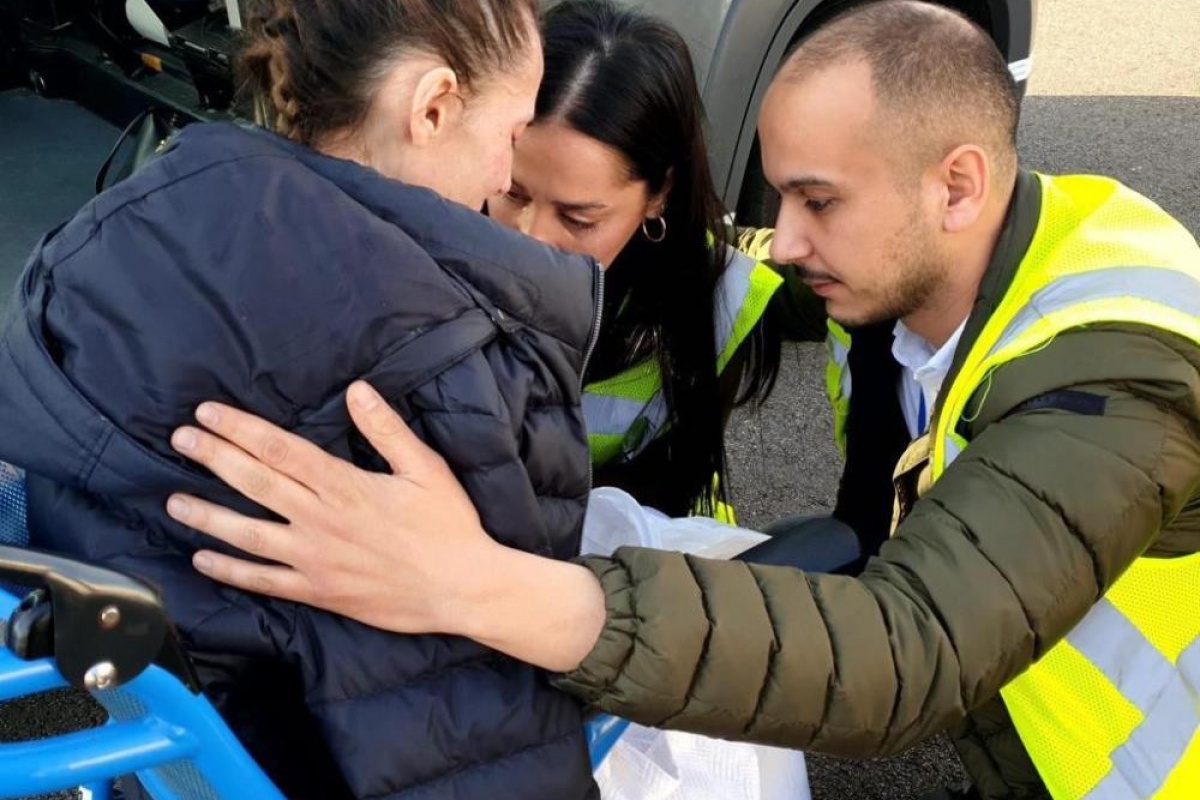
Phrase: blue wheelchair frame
{"type": "Point", "coordinates": [159, 729]}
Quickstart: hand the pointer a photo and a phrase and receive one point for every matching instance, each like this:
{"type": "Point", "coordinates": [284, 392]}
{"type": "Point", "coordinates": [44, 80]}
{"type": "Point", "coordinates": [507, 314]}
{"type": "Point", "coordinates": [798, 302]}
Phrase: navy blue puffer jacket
{"type": "Point", "coordinates": [245, 268]}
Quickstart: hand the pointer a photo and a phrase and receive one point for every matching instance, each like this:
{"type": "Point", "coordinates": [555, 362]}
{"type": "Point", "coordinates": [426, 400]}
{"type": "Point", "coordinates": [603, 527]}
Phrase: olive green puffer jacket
{"type": "Point", "coordinates": [993, 566]}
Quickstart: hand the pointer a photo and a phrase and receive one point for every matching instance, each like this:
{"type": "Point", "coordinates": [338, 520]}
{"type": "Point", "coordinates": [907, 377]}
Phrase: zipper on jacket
{"type": "Point", "coordinates": [593, 337]}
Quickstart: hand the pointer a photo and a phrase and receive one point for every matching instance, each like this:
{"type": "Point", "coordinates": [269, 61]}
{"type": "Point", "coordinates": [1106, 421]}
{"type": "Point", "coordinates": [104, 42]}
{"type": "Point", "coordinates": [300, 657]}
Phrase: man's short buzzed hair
{"type": "Point", "coordinates": [937, 76]}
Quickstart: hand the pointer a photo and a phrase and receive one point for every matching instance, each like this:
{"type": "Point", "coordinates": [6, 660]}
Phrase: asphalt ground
{"type": "Point", "coordinates": [1115, 91]}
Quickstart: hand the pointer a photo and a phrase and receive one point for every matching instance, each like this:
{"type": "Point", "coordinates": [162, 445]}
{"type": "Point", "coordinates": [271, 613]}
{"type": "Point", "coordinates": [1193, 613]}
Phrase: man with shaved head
{"type": "Point", "coordinates": [891, 136]}
{"type": "Point", "coordinates": [1015, 370]}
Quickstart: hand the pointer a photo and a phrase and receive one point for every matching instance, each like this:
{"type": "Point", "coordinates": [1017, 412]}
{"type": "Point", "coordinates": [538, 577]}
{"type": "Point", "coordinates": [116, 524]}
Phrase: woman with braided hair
{"type": "Point", "coordinates": [271, 266]}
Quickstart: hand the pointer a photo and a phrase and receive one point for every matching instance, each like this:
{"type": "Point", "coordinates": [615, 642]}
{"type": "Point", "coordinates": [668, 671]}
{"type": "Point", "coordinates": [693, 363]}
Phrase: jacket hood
{"type": "Point", "coordinates": [537, 284]}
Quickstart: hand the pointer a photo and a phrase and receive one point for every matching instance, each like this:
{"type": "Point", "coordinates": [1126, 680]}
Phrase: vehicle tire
{"type": "Point", "coordinates": [37, 81]}
{"type": "Point", "coordinates": [758, 202]}
{"type": "Point", "coordinates": [10, 51]}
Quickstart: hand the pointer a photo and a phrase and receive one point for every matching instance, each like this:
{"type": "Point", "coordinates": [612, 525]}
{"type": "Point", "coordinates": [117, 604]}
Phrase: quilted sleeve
{"type": "Point", "coordinates": [996, 563]}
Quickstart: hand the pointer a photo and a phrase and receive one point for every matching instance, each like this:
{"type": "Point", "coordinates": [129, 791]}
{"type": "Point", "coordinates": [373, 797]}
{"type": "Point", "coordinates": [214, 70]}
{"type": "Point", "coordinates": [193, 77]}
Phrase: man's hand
{"type": "Point", "coordinates": [352, 533]}
{"type": "Point", "coordinates": [404, 552]}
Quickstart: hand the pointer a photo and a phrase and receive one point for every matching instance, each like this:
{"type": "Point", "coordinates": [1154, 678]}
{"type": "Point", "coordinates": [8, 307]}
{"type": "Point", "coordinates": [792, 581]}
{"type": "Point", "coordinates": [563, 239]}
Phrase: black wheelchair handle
{"type": "Point", "coordinates": [107, 627]}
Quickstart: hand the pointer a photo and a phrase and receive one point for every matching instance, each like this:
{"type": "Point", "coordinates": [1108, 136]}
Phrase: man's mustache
{"type": "Point", "coordinates": [808, 274]}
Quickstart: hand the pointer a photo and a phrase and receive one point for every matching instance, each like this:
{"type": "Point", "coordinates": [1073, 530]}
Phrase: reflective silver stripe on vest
{"type": "Point", "coordinates": [731, 296]}
{"type": "Point", "coordinates": [839, 353]}
{"type": "Point", "coordinates": [1165, 287]}
{"type": "Point", "coordinates": [953, 451]}
{"type": "Point", "coordinates": [1168, 696]}
{"type": "Point", "coordinates": [615, 416]}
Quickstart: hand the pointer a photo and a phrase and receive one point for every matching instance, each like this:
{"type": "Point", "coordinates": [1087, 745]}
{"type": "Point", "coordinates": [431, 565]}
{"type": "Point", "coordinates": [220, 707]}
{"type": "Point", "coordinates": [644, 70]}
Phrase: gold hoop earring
{"type": "Point", "coordinates": [662, 231]}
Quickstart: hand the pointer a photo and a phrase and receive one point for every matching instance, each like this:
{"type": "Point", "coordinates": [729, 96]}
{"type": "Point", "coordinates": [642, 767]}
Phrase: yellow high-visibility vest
{"type": "Point", "coordinates": [1112, 712]}
{"type": "Point", "coordinates": [627, 412]}
{"type": "Point", "coordinates": [757, 243]}
{"type": "Point", "coordinates": [837, 379]}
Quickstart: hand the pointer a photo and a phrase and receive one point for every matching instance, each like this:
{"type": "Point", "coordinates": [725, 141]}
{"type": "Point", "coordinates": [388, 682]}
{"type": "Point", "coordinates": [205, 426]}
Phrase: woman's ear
{"type": "Point", "coordinates": [657, 205]}
{"type": "Point", "coordinates": [437, 105]}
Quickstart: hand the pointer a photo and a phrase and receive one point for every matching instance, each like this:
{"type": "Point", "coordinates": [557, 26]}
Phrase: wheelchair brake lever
{"type": "Point", "coordinates": [29, 632]}
{"type": "Point", "coordinates": [106, 627]}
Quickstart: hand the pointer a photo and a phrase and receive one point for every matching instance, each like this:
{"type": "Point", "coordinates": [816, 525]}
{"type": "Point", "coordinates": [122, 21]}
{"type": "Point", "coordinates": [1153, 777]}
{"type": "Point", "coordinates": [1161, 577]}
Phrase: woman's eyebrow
{"type": "Point", "coordinates": [594, 206]}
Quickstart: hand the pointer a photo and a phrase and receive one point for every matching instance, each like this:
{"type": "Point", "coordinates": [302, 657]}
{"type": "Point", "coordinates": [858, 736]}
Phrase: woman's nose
{"type": "Point", "coordinates": [541, 228]}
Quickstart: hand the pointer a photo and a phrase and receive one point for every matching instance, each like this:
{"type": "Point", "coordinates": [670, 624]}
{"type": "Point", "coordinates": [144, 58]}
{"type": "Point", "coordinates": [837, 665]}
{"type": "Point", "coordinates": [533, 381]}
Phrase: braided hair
{"type": "Point", "coordinates": [312, 67]}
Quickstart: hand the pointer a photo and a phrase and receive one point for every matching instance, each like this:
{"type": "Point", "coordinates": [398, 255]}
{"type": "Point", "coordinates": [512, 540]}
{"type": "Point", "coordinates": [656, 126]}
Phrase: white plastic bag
{"type": "Point", "coordinates": [615, 519]}
{"type": "Point", "coordinates": [649, 764]}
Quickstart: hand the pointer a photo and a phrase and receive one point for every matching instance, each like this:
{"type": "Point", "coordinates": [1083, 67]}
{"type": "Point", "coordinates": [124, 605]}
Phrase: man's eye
{"type": "Point", "coordinates": [516, 199]}
{"type": "Point", "coordinates": [818, 206]}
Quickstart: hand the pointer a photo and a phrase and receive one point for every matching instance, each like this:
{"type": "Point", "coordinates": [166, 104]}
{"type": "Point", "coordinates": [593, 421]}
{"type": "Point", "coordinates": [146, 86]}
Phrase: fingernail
{"type": "Point", "coordinates": [363, 397]}
{"type": "Point", "coordinates": [208, 414]}
{"type": "Point", "coordinates": [202, 562]}
{"type": "Point", "coordinates": [184, 439]}
{"type": "Point", "coordinates": [179, 508]}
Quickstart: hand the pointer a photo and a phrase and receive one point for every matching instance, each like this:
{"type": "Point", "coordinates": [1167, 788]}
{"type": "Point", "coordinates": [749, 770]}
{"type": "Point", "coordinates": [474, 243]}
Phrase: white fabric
{"type": "Point", "coordinates": [143, 20]}
{"type": "Point", "coordinates": [923, 371]}
{"type": "Point", "coordinates": [614, 519]}
{"type": "Point", "coordinates": [649, 764]}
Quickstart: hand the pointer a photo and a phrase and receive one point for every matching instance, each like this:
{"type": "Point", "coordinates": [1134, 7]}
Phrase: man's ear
{"type": "Point", "coordinates": [437, 105]}
{"type": "Point", "coordinates": [966, 176]}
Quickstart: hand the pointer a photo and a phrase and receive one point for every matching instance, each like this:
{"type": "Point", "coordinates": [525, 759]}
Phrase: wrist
{"type": "Point", "coordinates": [465, 596]}
{"type": "Point", "coordinates": [545, 612]}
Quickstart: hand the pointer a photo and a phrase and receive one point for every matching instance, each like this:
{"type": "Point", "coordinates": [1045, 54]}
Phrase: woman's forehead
{"type": "Point", "coordinates": [555, 157]}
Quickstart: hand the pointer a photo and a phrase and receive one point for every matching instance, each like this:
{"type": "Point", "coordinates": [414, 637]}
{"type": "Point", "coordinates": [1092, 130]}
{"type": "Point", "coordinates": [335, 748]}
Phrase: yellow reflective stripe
{"type": "Point", "coordinates": [839, 404]}
{"type": "Point", "coordinates": [1149, 595]}
{"type": "Point", "coordinates": [1054, 706]}
{"type": "Point", "coordinates": [1131, 310]}
{"type": "Point", "coordinates": [639, 382]}
{"type": "Point", "coordinates": [1128, 309]}
{"type": "Point", "coordinates": [838, 381]}
{"type": "Point", "coordinates": [746, 289]}
{"type": "Point", "coordinates": [629, 407]}
{"type": "Point", "coordinates": [604, 447]}
{"type": "Point", "coordinates": [1183, 780]}
{"type": "Point", "coordinates": [1094, 220]}
{"type": "Point", "coordinates": [723, 512]}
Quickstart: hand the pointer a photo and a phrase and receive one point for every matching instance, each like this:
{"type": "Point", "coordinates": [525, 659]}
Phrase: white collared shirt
{"type": "Point", "coordinates": [923, 370]}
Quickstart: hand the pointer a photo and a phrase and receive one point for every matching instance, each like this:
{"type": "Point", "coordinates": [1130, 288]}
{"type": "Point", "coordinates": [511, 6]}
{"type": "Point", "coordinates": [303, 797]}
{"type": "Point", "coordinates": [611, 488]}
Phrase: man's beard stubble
{"type": "Point", "coordinates": [921, 274]}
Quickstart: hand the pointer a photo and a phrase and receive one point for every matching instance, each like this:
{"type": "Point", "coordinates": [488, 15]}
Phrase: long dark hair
{"type": "Point", "coordinates": [626, 79]}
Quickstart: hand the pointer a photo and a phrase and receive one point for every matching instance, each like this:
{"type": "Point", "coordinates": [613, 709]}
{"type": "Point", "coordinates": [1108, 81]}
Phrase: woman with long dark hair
{"type": "Point", "coordinates": [615, 166]}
